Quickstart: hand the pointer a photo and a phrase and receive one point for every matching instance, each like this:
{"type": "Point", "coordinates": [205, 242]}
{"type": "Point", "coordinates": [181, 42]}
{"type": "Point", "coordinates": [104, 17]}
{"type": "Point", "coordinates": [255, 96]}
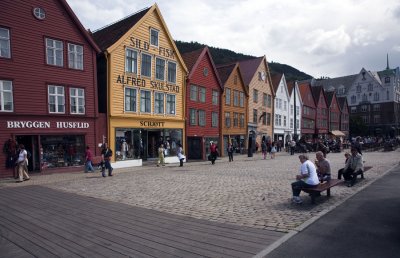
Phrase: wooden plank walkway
{"type": "Point", "coordinates": [36, 221]}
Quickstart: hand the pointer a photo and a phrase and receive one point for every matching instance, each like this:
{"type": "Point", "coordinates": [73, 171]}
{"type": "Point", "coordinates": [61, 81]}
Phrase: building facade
{"type": "Point", "coordinates": [334, 111]}
{"type": "Point", "coordinates": [203, 102]}
{"type": "Point", "coordinates": [344, 115]}
{"type": "Point", "coordinates": [282, 130]}
{"type": "Point", "coordinates": [142, 88]}
{"type": "Point", "coordinates": [308, 115]}
{"type": "Point", "coordinates": [322, 114]}
{"type": "Point", "coordinates": [295, 117]}
{"type": "Point", "coordinates": [48, 86]}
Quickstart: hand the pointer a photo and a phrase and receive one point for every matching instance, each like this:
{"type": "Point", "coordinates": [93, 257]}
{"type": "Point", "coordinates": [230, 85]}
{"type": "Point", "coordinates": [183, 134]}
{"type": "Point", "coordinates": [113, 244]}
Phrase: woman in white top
{"type": "Point", "coordinates": [22, 164]}
{"type": "Point", "coordinates": [307, 178]}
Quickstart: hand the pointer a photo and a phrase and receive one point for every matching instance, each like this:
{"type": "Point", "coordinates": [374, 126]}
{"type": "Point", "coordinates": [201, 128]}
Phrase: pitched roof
{"type": "Point", "coordinates": [329, 97]}
{"type": "Point", "coordinates": [335, 83]}
{"type": "Point", "coordinates": [249, 68]}
{"type": "Point", "coordinates": [108, 35]}
{"type": "Point", "coordinates": [224, 71]}
{"type": "Point", "coordinates": [290, 86]}
{"type": "Point", "coordinates": [276, 79]}
{"type": "Point", "coordinates": [342, 101]}
{"type": "Point", "coordinates": [316, 92]}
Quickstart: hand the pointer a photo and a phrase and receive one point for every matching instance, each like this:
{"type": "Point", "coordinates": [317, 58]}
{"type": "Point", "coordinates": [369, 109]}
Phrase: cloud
{"type": "Point", "coordinates": [333, 42]}
{"type": "Point", "coordinates": [396, 12]}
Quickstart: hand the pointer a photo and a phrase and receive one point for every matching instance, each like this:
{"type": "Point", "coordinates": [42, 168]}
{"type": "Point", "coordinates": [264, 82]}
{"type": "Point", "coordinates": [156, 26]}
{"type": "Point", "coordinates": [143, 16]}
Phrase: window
{"type": "Point", "coordinates": [241, 99]}
{"type": "Point", "coordinates": [202, 94]}
{"type": "Point", "coordinates": [241, 120]}
{"type": "Point", "coordinates": [54, 52]}
{"type": "Point", "coordinates": [370, 87]}
{"type": "Point", "coordinates": [131, 61]}
{"type": "Point", "coordinates": [171, 104]}
{"type": "Point", "coordinates": [158, 102]}
{"type": "Point", "coordinates": [269, 101]}
{"type": "Point", "coordinates": [284, 121]}
{"type": "Point", "coordinates": [39, 13]}
{"type": "Point", "coordinates": [364, 97]}
{"type": "Point", "coordinates": [160, 69]}
{"type": "Point", "coordinates": [193, 92]}
{"type": "Point", "coordinates": [377, 107]}
{"type": "Point", "coordinates": [75, 56]}
{"type": "Point", "coordinates": [376, 96]}
{"type": "Point", "coordinates": [264, 118]}
{"type": "Point", "coordinates": [291, 123]}
{"type": "Point", "coordinates": [6, 96]}
{"type": "Point", "coordinates": [353, 99]}
{"type": "Point", "coordinates": [365, 119]}
{"type": "Point", "coordinates": [214, 119]}
{"type": "Point", "coordinates": [268, 118]}
{"type": "Point", "coordinates": [202, 118]}
{"type": "Point", "coordinates": [77, 100]}
{"type": "Point", "coordinates": [172, 72]}
{"type": "Point", "coordinates": [278, 120]}
{"type": "Point", "coordinates": [358, 88]}
{"type": "Point", "coordinates": [377, 119]}
{"type": "Point", "coordinates": [353, 109]}
{"type": "Point", "coordinates": [227, 119]}
{"type": "Point", "coordinates": [280, 104]}
{"type": "Point", "coordinates": [235, 119]}
{"type": "Point", "coordinates": [56, 99]}
{"type": "Point", "coordinates": [292, 108]}
{"type": "Point", "coordinates": [154, 37]}
{"type": "Point", "coordinates": [284, 105]}
{"type": "Point", "coordinates": [215, 96]}
{"type": "Point", "coordinates": [145, 101]}
{"type": "Point", "coordinates": [146, 65]}
{"type": "Point", "coordinates": [227, 96]}
{"type": "Point", "coordinates": [5, 43]}
{"type": "Point", "coordinates": [130, 99]}
{"type": "Point", "coordinates": [255, 96]}
{"type": "Point", "coordinates": [192, 116]}
{"type": "Point", "coordinates": [265, 100]}
{"type": "Point", "coordinates": [236, 98]}
{"type": "Point", "coordinates": [364, 108]}
{"type": "Point", "coordinates": [255, 116]}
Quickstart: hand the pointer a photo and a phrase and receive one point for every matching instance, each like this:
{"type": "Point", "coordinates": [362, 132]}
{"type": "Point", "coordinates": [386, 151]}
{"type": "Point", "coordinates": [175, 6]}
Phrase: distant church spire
{"type": "Point", "coordinates": [387, 62]}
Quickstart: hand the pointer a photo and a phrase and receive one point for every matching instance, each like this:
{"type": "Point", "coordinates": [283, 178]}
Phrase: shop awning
{"type": "Point", "coordinates": [337, 133]}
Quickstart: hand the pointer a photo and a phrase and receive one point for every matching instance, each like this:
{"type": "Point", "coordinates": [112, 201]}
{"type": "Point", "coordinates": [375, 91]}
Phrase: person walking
{"type": "Point", "coordinates": [161, 159]}
{"type": "Point", "coordinates": [230, 151]}
{"type": "Point", "coordinates": [106, 155]}
{"type": "Point", "coordinates": [179, 153]}
{"type": "Point", "coordinates": [214, 152]}
{"type": "Point", "coordinates": [273, 150]}
{"type": "Point", "coordinates": [22, 164]}
{"type": "Point", "coordinates": [264, 149]}
{"type": "Point", "coordinates": [292, 146]}
{"type": "Point", "coordinates": [88, 160]}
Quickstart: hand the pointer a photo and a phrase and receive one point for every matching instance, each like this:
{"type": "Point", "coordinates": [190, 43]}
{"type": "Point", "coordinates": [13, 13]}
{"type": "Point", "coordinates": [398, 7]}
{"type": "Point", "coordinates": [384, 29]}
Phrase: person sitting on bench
{"type": "Point", "coordinates": [340, 171]}
{"type": "Point", "coordinates": [307, 178]}
{"type": "Point", "coordinates": [323, 167]}
{"type": "Point", "coordinates": [354, 166]}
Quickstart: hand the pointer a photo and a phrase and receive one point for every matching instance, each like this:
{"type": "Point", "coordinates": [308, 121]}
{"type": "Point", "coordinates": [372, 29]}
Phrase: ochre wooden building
{"type": "Point", "coordinates": [234, 104]}
{"type": "Point", "coordinates": [142, 80]}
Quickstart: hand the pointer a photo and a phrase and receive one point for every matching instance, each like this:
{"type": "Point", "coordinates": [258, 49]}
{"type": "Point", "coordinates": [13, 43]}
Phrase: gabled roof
{"type": "Point", "coordinates": [346, 81]}
{"type": "Point", "coordinates": [290, 86]}
{"type": "Point", "coordinates": [193, 59]}
{"type": "Point", "coordinates": [316, 92]}
{"type": "Point", "coordinates": [304, 88]}
{"type": "Point", "coordinates": [108, 35]}
{"type": "Point", "coordinates": [78, 24]}
{"type": "Point", "coordinates": [276, 79]}
{"type": "Point", "coordinates": [249, 68]}
{"type": "Point", "coordinates": [224, 71]}
{"type": "Point", "coordinates": [329, 97]}
{"type": "Point", "coordinates": [342, 101]}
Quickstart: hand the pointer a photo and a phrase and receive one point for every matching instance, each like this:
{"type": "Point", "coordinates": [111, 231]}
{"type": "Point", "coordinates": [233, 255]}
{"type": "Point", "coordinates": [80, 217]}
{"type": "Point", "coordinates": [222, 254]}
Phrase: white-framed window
{"type": "Point", "coordinates": [202, 94]}
{"type": "Point", "coordinates": [364, 108]}
{"type": "Point", "coordinates": [291, 109]}
{"type": "Point", "coordinates": [160, 69]}
{"type": "Point", "coordinates": [131, 61]}
{"type": "Point", "coordinates": [39, 13]}
{"type": "Point", "coordinates": [154, 37]}
{"type": "Point", "coordinates": [227, 119]}
{"type": "Point", "coordinates": [235, 98]}
{"type": "Point", "coordinates": [145, 101]}
{"type": "Point", "coordinates": [284, 121]}
{"type": "Point", "coordinates": [192, 116]}
{"type": "Point", "coordinates": [75, 56]}
{"type": "Point", "coordinates": [6, 96]}
{"type": "Point", "coordinates": [215, 97]}
{"type": "Point", "coordinates": [146, 65]}
{"type": "Point", "coordinates": [193, 92]}
{"type": "Point", "coordinates": [171, 104]}
{"type": "Point", "coordinates": [353, 109]}
{"type": "Point", "coordinates": [370, 87]}
{"type": "Point", "coordinates": [5, 49]}
{"type": "Point", "coordinates": [376, 96]}
{"type": "Point", "coordinates": [214, 119]}
{"type": "Point", "coordinates": [291, 123]}
{"type": "Point", "coordinates": [77, 101]}
{"type": "Point", "coordinates": [297, 110]}
{"type": "Point", "coordinates": [56, 99]}
{"type": "Point", "coordinates": [130, 99]}
{"type": "Point", "coordinates": [228, 96]}
{"type": "Point", "coordinates": [171, 72]}
{"type": "Point", "coordinates": [54, 52]}
{"type": "Point", "coordinates": [158, 102]}
{"type": "Point", "coordinates": [241, 99]}
{"type": "Point", "coordinates": [202, 118]}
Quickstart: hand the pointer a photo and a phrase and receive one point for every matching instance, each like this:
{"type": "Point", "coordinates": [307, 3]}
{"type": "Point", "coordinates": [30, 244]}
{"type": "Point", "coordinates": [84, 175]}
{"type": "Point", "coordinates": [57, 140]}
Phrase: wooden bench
{"type": "Point", "coordinates": [366, 168]}
{"type": "Point", "coordinates": [325, 186]}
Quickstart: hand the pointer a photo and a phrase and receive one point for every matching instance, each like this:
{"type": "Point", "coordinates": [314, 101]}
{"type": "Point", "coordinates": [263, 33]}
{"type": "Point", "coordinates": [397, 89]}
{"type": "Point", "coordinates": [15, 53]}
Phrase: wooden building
{"type": "Point", "coordinates": [142, 87]}
{"type": "Point", "coordinates": [308, 115]}
{"type": "Point", "coordinates": [48, 86]}
{"type": "Point", "coordinates": [334, 112]}
{"type": "Point", "coordinates": [234, 112]}
{"type": "Point", "coordinates": [203, 99]}
{"type": "Point", "coordinates": [322, 114]}
{"type": "Point", "coordinates": [344, 115]}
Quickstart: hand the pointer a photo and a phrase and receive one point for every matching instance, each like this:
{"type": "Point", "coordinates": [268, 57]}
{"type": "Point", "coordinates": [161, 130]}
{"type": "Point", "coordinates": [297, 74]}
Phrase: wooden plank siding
{"type": "Point", "coordinates": [308, 110]}
{"type": "Point", "coordinates": [43, 222]}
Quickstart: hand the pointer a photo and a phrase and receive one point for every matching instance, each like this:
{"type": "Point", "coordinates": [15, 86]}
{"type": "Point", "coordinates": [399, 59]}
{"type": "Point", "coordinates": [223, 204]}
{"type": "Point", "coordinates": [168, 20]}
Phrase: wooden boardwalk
{"type": "Point", "coordinates": [36, 221]}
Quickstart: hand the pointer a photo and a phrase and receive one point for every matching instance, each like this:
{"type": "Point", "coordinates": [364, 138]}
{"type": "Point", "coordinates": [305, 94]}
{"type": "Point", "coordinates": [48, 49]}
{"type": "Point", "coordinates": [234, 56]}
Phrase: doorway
{"type": "Point", "coordinates": [194, 148]}
{"type": "Point", "coordinates": [153, 141]}
{"type": "Point", "coordinates": [31, 143]}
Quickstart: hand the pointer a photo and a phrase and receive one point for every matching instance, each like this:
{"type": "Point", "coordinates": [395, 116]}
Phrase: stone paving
{"type": "Point", "coordinates": [227, 192]}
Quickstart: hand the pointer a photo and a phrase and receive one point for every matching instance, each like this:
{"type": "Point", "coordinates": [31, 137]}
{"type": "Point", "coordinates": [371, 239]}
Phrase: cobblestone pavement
{"type": "Point", "coordinates": [227, 192]}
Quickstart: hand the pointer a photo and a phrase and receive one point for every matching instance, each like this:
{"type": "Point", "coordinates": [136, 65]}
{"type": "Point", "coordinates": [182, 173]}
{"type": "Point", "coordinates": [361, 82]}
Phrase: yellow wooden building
{"type": "Point", "coordinates": [142, 80]}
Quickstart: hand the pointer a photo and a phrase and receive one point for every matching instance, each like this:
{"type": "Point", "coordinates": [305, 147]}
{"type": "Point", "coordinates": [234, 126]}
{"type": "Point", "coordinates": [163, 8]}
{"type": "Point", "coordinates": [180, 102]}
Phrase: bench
{"type": "Point", "coordinates": [325, 186]}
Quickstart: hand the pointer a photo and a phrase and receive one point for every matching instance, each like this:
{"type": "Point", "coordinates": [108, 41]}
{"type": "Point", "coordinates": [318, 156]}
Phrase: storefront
{"type": "Point", "coordinates": [238, 143]}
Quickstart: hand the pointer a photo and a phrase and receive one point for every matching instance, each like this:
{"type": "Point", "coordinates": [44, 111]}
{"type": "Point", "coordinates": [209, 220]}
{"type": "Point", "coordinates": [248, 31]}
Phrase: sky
{"type": "Point", "coordinates": [328, 38]}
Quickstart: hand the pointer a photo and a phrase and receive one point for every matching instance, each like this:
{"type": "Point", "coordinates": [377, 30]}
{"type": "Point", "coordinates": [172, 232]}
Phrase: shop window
{"type": "Point", "coordinates": [145, 101]}
{"type": "Point", "coordinates": [130, 99]}
{"type": "Point", "coordinates": [128, 144]}
{"type": "Point", "coordinates": [54, 52]}
{"type": "Point", "coordinates": [160, 69]}
{"type": "Point", "coordinates": [131, 61]}
{"type": "Point", "coordinates": [6, 96]}
{"type": "Point", "coordinates": [5, 49]}
{"type": "Point", "coordinates": [202, 118]}
{"type": "Point", "coordinates": [77, 101]}
{"type": "Point", "coordinates": [56, 99]}
{"type": "Point", "coordinates": [171, 104]}
{"type": "Point", "coordinates": [63, 150]}
{"type": "Point", "coordinates": [215, 96]}
{"type": "Point", "coordinates": [146, 65]}
{"type": "Point", "coordinates": [158, 102]}
{"type": "Point", "coordinates": [171, 72]}
{"type": "Point", "coordinates": [154, 37]}
{"type": "Point", "coordinates": [214, 119]}
{"type": "Point", "coordinates": [75, 56]}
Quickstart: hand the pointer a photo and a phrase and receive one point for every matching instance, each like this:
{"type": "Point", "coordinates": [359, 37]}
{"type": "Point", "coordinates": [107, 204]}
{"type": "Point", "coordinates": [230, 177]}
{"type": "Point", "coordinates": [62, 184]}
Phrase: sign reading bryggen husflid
{"type": "Point", "coordinates": [142, 79]}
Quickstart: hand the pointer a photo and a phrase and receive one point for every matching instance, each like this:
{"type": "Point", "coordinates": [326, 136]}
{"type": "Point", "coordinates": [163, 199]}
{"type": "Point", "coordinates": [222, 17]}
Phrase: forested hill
{"type": "Point", "coordinates": [221, 56]}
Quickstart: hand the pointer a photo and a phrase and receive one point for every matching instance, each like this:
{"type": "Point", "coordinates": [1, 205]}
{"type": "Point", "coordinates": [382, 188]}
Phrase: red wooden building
{"type": "Point", "coordinates": [203, 97]}
{"type": "Point", "coordinates": [48, 86]}
{"type": "Point", "coordinates": [344, 115]}
{"type": "Point", "coordinates": [334, 112]}
{"type": "Point", "coordinates": [308, 111]}
{"type": "Point", "coordinates": [322, 115]}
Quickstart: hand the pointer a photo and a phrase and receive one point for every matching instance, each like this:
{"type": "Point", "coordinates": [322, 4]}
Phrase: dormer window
{"type": "Point", "coordinates": [154, 37]}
